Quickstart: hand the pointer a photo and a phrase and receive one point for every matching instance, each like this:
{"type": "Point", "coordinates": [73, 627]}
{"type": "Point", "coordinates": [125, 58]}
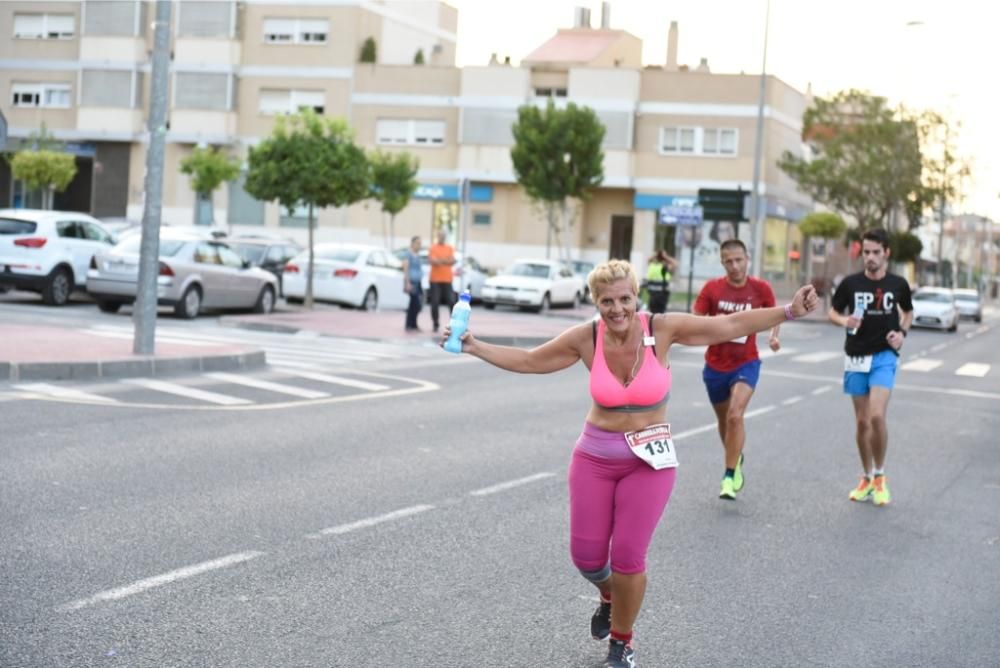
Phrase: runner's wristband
{"type": "Point", "coordinates": [789, 315]}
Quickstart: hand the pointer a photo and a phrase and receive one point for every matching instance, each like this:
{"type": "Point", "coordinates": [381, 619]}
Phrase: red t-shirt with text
{"type": "Point", "coordinates": [718, 297]}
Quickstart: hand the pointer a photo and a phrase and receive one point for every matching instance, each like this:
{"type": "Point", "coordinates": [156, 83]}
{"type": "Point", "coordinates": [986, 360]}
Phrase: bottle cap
{"type": "Point", "coordinates": [466, 296]}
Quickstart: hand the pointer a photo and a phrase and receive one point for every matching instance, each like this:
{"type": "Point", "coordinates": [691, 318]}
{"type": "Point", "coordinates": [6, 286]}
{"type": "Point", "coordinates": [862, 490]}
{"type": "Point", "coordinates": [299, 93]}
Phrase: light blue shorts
{"type": "Point", "coordinates": [882, 374]}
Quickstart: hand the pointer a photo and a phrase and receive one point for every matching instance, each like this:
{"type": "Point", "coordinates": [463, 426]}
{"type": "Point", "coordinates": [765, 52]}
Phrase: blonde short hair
{"type": "Point", "coordinates": [607, 273]}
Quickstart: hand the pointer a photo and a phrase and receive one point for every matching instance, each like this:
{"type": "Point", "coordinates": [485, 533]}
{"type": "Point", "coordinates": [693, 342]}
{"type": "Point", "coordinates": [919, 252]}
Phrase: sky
{"type": "Point", "coordinates": [927, 54]}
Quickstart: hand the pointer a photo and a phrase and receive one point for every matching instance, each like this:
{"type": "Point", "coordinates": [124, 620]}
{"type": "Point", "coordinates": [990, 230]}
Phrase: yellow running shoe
{"type": "Point", "coordinates": [728, 490]}
{"type": "Point", "coordinates": [864, 490]}
{"type": "Point", "coordinates": [738, 475]}
{"type": "Point", "coordinates": [881, 494]}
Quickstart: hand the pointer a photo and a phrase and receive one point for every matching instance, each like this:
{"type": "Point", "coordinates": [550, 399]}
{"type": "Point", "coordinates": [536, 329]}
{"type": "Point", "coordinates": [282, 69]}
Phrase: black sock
{"type": "Point", "coordinates": [730, 473]}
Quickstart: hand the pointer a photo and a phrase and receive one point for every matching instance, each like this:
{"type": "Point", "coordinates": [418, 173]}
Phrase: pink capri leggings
{"type": "Point", "coordinates": [615, 503]}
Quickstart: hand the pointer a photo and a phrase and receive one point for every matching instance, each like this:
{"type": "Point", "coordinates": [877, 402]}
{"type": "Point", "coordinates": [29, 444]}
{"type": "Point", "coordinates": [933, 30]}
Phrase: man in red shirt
{"type": "Point", "coordinates": [732, 368]}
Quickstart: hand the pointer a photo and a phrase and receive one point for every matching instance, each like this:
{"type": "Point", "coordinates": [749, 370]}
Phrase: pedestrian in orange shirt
{"type": "Point", "coordinates": [441, 257]}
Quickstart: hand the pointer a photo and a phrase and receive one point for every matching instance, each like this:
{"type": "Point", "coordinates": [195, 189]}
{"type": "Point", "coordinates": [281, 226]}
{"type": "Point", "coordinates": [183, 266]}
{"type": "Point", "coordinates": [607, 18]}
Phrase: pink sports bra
{"type": "Point", "coordinates": [649, 390]}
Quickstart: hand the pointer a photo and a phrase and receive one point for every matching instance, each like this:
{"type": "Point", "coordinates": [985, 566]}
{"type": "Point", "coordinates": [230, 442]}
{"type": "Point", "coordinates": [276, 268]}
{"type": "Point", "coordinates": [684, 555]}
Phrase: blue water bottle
{"type": "Point", "coordinates": [459, 323]}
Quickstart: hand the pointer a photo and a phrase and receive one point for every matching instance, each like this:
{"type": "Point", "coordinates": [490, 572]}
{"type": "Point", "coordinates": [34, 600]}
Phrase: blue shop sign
{"type": "Point", "coordinates": [656, 201]}
{"type": "Point", "coordinates": [449, 192]}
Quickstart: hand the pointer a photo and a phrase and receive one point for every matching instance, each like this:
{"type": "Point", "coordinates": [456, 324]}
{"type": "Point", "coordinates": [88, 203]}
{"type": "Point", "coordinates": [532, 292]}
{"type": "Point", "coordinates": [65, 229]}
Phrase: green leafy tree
{"type": "Point", "coordinates": [45, 170]}
{"type": "Point", "coordinates": [821, 225]}
{"type": "Point", "coordinates": [866, 161]}
{"type": "Point", "coordinates": [311, 161]}
{"type": "Point", "coordinates": [394, 180]}
{"type": "Point", "coordinates": [369, 54]}
{"type": "Point", "coordinates": [557, 155]}
{"type": "Point", "coordinates": [209, 168]}
{"type": "Point", "coordinates": [418, 57]}
{"type": "Point", "coordinates": [944, 173]}
{"type": "Point", "coordinates": [904, 246]}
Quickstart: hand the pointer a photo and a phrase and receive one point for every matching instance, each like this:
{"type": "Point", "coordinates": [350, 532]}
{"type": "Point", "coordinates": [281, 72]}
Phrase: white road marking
{"type": "Point", "coordinates": [64, 392]}
{"type": "Point", "coordinates": [712, 426]}
{"type": "Point", "coordinates": [109, 334]}
{"type": "Point", "coordinates": [791, 400]}
{"type": "Point", "coordinates": [758, 411]}
{"type": "Point", "coordinates": [493, 489]}
{"type": "Point", "coordinates": [371, 521]}
{"type": "Point", "coordinates": [267, 385]}
{"type": "Point", "coordinates": [973, 369]}
{"type": "Point", "coordinates": [940, 346]}
{"type": "Point", "coordinates": [820, 390]}
{"type": "Point", "coordinates": [184, 391]}
{"type": "Point", "coordinates": [922, 364]}
{"type": "Point", "coordinates": [160, 580]}
{"type": "Point", "coordinates": [813, 358]}
{"type": "Point", "coordinates": [337, 380]}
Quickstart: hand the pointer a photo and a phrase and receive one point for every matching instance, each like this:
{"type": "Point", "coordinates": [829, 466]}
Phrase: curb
{"type": "Point", "coordinates": [130, 368]}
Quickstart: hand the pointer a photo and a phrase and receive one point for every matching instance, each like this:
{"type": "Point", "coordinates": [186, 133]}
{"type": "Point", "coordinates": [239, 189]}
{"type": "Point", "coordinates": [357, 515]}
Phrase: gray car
{"type": "Point", "coordinates": [196, 272]}
{"type": "Point", "coordinates": [969, 304]}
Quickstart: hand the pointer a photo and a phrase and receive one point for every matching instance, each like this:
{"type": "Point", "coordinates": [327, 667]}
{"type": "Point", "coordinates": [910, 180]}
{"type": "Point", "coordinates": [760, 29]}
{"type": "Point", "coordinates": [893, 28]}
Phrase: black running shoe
{"type": "Point", "coordinates": [600, 623]}
{"type": "Point", "coordinates": [620, 655]}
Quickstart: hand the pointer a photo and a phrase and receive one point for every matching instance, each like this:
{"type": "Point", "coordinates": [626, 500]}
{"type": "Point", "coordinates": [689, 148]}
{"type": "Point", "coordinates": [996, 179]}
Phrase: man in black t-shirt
{"type": "Point", "coordinates": [876, 308]}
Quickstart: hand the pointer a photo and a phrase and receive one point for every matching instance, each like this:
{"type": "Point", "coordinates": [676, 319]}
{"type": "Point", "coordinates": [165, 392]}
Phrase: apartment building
{"type": "Point", "coordinates": [82, 68]}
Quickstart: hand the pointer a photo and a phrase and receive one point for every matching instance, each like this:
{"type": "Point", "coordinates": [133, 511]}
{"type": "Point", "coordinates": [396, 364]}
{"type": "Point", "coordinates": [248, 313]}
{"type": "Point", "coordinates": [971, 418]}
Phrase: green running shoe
{"type": "Point", "coordinates": [738, 475]}
{"type": "Point", "coordinates": [864, 490]}
{"type": "Point", "coordinates": [880, 493]}
{"type": "Point", "coordinates": [728, 489]}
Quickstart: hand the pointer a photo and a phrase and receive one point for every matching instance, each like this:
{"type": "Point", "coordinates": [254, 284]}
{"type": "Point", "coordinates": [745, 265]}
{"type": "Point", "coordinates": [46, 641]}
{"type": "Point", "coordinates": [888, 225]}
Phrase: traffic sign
{"type": "Point", "coordinates": [680, 215]}
{"type": "Point", "coordinates": [722, 205]}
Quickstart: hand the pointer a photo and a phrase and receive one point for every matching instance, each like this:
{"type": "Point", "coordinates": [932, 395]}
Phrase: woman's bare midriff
{"type": "Point", "coordinates": [607, 420]}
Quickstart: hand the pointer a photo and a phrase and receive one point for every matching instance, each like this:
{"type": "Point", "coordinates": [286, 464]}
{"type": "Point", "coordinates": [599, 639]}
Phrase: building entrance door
{"type": "Point", "coordinates": [621, 238]}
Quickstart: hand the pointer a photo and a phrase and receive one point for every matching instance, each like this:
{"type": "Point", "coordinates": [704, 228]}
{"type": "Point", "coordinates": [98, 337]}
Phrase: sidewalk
{"type": "Point", "coordinates": [51, 352]}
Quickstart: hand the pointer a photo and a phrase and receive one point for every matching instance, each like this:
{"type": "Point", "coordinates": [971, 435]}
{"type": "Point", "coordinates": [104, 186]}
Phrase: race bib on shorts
{"type": "Point", "coordinates": [654, 446]}
{"type": "Point", "coordinates": [858, 363]}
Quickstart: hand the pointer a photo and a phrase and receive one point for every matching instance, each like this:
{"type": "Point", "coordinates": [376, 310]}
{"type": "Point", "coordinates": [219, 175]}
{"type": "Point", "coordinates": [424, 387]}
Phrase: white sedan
{"type": "Point", "coordinates": [535, 285]}
{"type": "Point", "coordinates": [935, 307]}
{"type": "Point", "coordinates": [366, 277]}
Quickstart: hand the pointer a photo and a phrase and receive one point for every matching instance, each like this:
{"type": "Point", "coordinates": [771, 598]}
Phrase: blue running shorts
{"type": "Point", "coordinates": [882, 374]}
{"type": "Point", "coordinates": [719, 383]}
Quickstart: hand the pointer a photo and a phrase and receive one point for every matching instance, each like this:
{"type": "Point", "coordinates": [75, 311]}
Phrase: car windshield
{"type": "Point", "coordinates": [936, 297]}
{"type": "Point", "coordinates": [339, 254]}
{"type": "Point", "coordinates": [168, 247]}
{"type": "Point", "coordinates": [528, 269]}
{"type": "Point", "coordinates": [15, 226]}
{"type": "Point", "coordinates": [967, 295]}
{"type": "Point", "coordinates": [582, 267]}
{"type": "Point", "coordinates": [252, 253]}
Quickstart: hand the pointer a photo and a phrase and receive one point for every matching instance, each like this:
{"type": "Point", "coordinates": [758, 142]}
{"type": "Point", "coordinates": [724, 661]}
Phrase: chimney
{"type": "Point", "coordinates": [672, 38]}
{"type": "Point", "coordinates": [703, 66]}
{"type": "Point", "coordinates": [605, 16]}
{"type": "Point", "coordinates": [581, 17]}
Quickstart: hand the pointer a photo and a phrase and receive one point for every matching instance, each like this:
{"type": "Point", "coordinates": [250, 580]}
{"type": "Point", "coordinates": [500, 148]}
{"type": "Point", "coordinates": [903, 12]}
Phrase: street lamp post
{"type": "Point", "coordinates": [757, 223]}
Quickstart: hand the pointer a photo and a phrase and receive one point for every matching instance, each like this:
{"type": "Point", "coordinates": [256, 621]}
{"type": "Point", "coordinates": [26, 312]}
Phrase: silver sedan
{"type": "Point", "coordinates": [196, 273]}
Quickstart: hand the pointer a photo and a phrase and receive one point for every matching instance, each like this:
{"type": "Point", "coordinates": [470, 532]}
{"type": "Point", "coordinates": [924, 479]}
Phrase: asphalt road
{"type": "Point", "coordinates": [430, 529]}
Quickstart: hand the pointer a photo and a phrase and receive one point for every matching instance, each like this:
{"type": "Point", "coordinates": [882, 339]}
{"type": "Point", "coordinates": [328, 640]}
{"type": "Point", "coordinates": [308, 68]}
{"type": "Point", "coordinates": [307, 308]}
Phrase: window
{"type": "Point", "coordinates": [201, 90]}
{"type": "Point", "coordinates": [54, 96]}
{"type": "Point", "coordinates": [481, 218]}
{"type": "Point", "coordinates": [44, 26]}
{"type": "Point", "coordinates": [296, 31]}
{"type": "Point", "coordinates": [550, 92]}
{"type": "Point", "coordinates": [277, 101]}
{"type": "Point", "coordinates": [719, 141]}
{"type": "Point", "coordinates": [698, 141]}
{"type": "Point", "coordinates": [107, 88]}
{"type": "Point", "coordinates": [415, 132]}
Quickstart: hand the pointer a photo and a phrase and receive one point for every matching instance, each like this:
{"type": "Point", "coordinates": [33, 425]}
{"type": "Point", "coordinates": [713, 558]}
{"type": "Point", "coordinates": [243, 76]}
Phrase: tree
{"type": "Point", "coordinates": [944, 173]}
{"type": "Point", "coordinates": [557, 155]}
{"type": "Point", "coordinates": [309, 161]}
{"type": "Point", "coordinates": [394, 180]}
{"type": "Point", "coordinates": [418, 57]}
{"type": "Point", "coordinates": [866, 162]}
{"type": "Point", "coordinates": [208, 168]}
{"type": "Point", "coordinates": [904, 246]}
{"type": "Point", "coordinates": [368, 51]}
{"type": "Point", "coordinates": [821, 225]}
{"type": "Point", "coordinates": [45, 170]}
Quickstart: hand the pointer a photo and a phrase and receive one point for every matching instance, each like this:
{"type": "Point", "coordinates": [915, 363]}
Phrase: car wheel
{"type": "Point", "coordinates": [978, 318]}
{"type": "Point", "coordinates": [954, 327]}
{"type": "Point", "coordinates": [108, 307]}
{"type": "Point", "coordinates": [56, 291]}
{"type": "Point", "coordinates": [489, 306]}
{"type": "Point", "coordinates": [293, 300]}
{"type": "Point", "coordinates": [265, 302]}
{"type": "Point", "coordinates": [370, 302]}
{"type": "Point", "coordinates": [546, 304]}
{"type": "Point", "coordinates": [190, 303]}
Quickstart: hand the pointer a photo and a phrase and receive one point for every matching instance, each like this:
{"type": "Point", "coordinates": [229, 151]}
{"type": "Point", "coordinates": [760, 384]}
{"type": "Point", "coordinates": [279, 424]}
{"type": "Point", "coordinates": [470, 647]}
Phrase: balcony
{"type": "Point", "coordinates": [113, 49]}
{"type": "Point", "coordinates": [196, 125]}
{"type": "Point", "coordinates": [217, 53]}
{"type": "Point", "coordinates": [110, 123]}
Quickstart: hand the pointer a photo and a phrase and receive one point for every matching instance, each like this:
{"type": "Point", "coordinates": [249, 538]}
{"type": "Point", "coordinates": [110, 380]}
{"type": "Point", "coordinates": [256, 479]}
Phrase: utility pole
{"type": "Point", "coordinates": [144, 315]}
{"type": "Point", "coordinates": [757, 222]}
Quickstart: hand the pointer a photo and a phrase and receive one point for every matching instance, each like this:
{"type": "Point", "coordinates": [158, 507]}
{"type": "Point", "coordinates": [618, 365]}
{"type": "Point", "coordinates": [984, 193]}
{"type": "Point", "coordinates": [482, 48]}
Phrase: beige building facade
{"type": "Point", "coordinates": [82, 70]}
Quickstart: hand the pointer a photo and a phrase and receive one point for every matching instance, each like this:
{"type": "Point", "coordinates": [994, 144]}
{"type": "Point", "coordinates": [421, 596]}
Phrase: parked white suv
{"type": "Point", "coordinates": [49, 251]}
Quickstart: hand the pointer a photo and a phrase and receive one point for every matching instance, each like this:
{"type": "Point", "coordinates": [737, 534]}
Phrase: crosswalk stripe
{"type": "Point", "coordinates": [159, 339]}
{"type": "Point", "coordinates": [337, 380]}
{"type": "Point", "coordinates": [922, 364]}
{"type": "Point", "coordinates": [267, 385]}
{"type": "Point", "coordinates": [821, 356]}
{"type": "Point", "coordinates": [184, 391]}
{"type": "Point", "coordinates": [63, 392]}
{"type": "Point", "coordinates": [973, 369]}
